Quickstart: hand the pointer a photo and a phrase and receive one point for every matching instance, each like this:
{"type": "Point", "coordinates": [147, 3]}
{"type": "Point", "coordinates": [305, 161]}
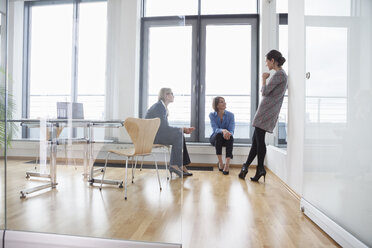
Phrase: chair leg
{"type": "Point", "coordinates": [104, 171]}
{"type": "Point", "coordinates": [126, 178]}
{"type": "Point", "coordinates": [74, 163]}
{"type": "Point", "coordinates": [142, 162]}
{"type": "Point", "coordinates": [166, 163]}
{"type": "Point", "coordinates": [66, 160]}
{"type": "Point", "coordinates": [37, 158]}
{"type": "Point", "coordinates": [134, 167]}
{"type": "Point", "coordinates": [157, 171]}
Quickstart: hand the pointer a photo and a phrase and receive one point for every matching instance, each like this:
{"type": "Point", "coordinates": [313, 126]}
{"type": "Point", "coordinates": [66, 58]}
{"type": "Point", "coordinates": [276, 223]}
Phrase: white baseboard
{"type": "Point", "coordinates": [16, 239]}
{"type": "Point", "coordinates": [336, 232]}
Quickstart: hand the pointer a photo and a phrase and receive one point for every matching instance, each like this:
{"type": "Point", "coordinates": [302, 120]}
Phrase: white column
{"type": "Point", "coordinates": [123, 44]}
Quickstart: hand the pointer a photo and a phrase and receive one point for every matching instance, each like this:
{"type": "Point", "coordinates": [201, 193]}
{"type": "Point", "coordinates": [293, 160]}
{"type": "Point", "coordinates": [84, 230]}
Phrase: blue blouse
{"type": "Point", "coordinates": [228, 122]}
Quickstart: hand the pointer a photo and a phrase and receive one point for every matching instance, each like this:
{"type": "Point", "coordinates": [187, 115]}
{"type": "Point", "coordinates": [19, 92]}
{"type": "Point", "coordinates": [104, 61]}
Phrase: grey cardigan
{"type": "Point", "coordinates": [272, 99]}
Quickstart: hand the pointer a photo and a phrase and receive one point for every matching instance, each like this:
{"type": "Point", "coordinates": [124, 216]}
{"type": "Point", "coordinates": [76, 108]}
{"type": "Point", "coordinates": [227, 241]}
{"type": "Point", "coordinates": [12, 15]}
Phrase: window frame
{"type": "Point", "coordinates": [283, 20]}
{"type": "Point", "coordinates": [198, 23]}
{"type": "Point", "coordinates": [232, 20]}
{"type": "Point", "coordinates": [27, 50]}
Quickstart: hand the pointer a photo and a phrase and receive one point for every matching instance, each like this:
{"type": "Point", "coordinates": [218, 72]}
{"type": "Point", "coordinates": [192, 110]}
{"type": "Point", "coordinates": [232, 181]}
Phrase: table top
{"type": "Point", "coordinates": [70, 122]}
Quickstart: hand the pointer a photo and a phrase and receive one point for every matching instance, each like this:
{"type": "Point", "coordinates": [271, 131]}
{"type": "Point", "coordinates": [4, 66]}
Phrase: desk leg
{"type": "Point", "coordinates": [91, 151]}
{"type": "Point", "coordinates": [53, 173]}
{"type": "Point", "coordinates": [86, 151]}
{"type": "Point", "coordinates": [53, 164]}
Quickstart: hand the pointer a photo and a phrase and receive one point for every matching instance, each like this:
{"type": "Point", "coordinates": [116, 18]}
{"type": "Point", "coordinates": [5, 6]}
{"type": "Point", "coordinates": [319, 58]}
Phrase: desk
{"type": "Point", "coordinates": [51, 126]}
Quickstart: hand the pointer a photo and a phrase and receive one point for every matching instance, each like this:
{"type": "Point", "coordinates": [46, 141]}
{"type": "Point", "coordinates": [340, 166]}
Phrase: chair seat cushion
{"type": "Point", "coordinates": [128, 152]}
{"type": "Point", "coordinates": [160, 146]}
{"type": "Point", "coordinates": [124, 152]}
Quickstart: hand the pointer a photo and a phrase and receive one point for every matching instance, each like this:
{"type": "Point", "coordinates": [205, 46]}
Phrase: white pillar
{"type": "Point", "coordinates": [123, 44]}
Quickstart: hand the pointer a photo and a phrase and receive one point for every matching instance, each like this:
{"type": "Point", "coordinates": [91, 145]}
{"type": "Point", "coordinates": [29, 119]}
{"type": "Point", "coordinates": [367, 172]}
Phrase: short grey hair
{"type": "Point", "coordinates": [163, 92]}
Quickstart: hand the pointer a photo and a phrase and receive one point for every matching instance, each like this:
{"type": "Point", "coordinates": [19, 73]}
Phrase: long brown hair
{"type": "Point", "coordinates": [215, 102]}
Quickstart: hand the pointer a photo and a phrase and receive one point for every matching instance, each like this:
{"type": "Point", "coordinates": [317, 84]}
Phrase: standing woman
{"type": "Point", "coordinates": [223, 125]}
{"type": "Point", "coordinates": [267, 112]}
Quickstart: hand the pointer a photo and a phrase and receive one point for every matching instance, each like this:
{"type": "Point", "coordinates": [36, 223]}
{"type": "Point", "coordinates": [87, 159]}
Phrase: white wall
{"type": "Point", "coordinates": [123, 44]}
{"type": "Point", "coordinates": [15, 54]}
{"type": "Point", "coordinates": [199, 154]}
{"type": "Point", "coordinates": [288, 164]}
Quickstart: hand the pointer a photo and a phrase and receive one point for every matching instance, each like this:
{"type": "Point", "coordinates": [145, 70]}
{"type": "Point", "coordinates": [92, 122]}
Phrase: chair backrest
{"type": "Point", "coordinates": [58, 132]}
{"type": "Point", "coordinates": [142, 132]}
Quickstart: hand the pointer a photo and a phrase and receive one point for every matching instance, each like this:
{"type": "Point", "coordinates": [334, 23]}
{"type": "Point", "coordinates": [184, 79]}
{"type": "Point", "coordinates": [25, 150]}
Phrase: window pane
{"type": "Point", "coordinates": [209, 7]}
{"type": "Point", "coordinates": [50, 75]}
{"type": "Point", "coordinates": [171, 7]}
{"type": "Point", "coordinates": [228, 73]}
{"type": "Point", "coordinates": [170, 66]}
{"type": "Point", "coordinates": [91, 72]}
{"type": "Point", "coordinates": [326, 89]}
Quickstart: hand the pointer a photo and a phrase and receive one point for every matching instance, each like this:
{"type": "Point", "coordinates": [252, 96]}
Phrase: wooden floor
{"type": "Point", "coordinates": [207, 210]}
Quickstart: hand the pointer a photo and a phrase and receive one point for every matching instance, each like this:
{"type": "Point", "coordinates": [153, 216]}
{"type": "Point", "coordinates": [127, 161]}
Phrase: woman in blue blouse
{"type": "Point", "coordinates": [223, 125]}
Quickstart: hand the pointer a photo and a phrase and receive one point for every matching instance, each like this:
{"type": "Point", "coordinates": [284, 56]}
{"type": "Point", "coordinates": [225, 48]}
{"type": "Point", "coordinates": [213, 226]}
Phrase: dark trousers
{"type": "Point", "coordinates": [218, 141]}
{"type": "Point", "coordinates": [258, 147]}
{"type": "Point", "coordinates": [179, 154]}
{"type": "Point", "coordinates": [186, 157]}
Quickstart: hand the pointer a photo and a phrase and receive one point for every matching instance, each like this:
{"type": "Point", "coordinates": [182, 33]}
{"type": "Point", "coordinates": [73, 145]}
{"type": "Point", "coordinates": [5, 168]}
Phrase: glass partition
{"type": "Point", "coordinates": [3, 108]}
{"type": "Point", "coordinates": [80, 161]}
{"type": "Point", "coordinates": [337, 148]}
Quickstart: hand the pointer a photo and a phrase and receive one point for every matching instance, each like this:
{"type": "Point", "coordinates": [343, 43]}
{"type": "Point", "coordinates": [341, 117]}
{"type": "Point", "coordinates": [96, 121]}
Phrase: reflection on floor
{"type": "Point", "coordinates": [217, 210]}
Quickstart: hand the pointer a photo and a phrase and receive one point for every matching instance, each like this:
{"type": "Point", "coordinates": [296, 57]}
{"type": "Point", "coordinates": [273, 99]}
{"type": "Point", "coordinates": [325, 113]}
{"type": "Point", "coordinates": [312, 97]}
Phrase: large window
{"type": "Point", "coordinates": [61, 41]}
{"type": "Point", "coordinates": [202, 57]}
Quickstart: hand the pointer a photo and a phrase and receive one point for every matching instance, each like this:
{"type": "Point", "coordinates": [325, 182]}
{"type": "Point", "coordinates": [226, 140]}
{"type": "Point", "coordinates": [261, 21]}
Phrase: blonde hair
{"type": "Point", "coordinates": [163, 92]}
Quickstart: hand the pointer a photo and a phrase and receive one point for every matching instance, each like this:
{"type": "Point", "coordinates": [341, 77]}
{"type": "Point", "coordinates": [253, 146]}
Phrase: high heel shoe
{"type": "Point", "coordinates": [258, 175]}
{"type": "Point", "coordinates": [186, 173]}
{"type": "Point", "coordinates": [177, 171]}
{"type": "Point", "coordinates": [218, 166]}
{"type": "Point", "coordinates": [226, 172]}
{"type": "Point", "coordinates": [243, 171]}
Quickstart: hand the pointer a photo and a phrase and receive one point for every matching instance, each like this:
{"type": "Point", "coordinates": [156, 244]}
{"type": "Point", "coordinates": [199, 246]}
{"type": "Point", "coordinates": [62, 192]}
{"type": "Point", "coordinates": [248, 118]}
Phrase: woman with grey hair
{"type": "Point", "coordinates": [267, 112]}
{"type": "Point", "coordinates": [168, 135]}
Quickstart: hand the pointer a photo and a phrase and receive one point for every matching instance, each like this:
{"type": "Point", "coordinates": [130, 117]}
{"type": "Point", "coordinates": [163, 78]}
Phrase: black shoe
{"type": "Point", "coordinates": [177, 171]}
{"type": "Point", "coordinates": [259, 174]}
{"type": "Point", "coordinates": [243, 171]}
{"type": "Point", "coordinates": [187, 174]}
{"type": "Point", "coordinates": [218, 166]}
{"type": "Point", "coordinates": [225, 172]}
